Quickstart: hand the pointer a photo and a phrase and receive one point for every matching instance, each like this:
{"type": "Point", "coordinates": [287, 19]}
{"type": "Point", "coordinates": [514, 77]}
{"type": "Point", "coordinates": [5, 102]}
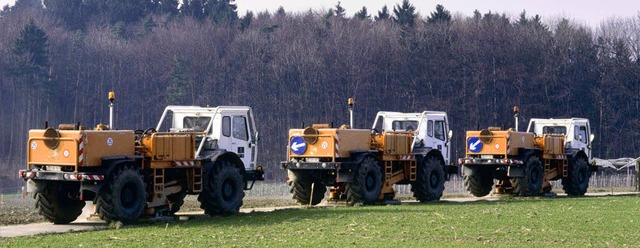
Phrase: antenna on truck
{"type": "Point", "coordinates": [515, 115]}
{"type": "Point", "coordinates": [350, 102]}
{"type": "Point", "coordinates": [112, 97]}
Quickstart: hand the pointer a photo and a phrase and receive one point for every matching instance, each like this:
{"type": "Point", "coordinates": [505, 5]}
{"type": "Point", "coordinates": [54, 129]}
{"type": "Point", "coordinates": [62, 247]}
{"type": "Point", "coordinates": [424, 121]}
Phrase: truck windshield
{"type": "Point", "coordinates": [554, 130]}
{"type": "Point", "coordinates": [404, 125]}
{"type": "Point", "coordinates": [196, 123]}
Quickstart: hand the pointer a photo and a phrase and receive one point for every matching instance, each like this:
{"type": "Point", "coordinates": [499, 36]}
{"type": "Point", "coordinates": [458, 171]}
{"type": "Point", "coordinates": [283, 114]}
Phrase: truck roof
{"type": "Point", "coordinates": [410, 115]}
{"type": "Point", "coordinates": [178, 108]}
{"type": "Point", "coordinates": [559, 121]}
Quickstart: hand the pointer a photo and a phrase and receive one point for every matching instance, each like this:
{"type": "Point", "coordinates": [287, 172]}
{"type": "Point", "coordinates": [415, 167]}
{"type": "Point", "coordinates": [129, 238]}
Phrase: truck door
{"type": "Point", "coordinates": [437, 135]}
{"type": "Point", "coordinates": [581, 138]}
{"type": "Point", "coordinates": [235, 137]}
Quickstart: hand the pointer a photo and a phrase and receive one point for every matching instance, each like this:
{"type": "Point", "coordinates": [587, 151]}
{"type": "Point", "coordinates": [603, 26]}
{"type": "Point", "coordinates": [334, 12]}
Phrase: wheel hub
{"type": "Point", "coordinates": [227, 190]}
{"type": "Point", "coordinates": [433, 180]}
{"type": "Point", "coordinates": [128, 195]}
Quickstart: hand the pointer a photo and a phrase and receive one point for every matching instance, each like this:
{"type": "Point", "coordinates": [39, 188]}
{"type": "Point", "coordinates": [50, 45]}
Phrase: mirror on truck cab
{"type": "Point", "coordinates": [591, 137]}
{"type": "Point", "coordinates": [449, 135]}
{"type": "Point", "coordinates": [257, 137]}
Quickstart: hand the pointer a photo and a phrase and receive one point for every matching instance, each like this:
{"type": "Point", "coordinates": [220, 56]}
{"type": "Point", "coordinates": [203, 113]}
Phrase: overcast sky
{"type": "Point", "coordinates": [590, 12]}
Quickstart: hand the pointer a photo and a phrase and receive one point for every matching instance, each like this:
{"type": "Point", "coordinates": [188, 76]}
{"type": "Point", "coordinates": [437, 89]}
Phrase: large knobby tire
{"type": "Point", "coordinates": [479, 183]}
{"type": "Point", "coordinates": [56, 206]}
{"type": "Point", "coordinates": [577, 182]}
{"type": "Point", "coordinates": [367, 183]}
{"type": "Point", "coordinates": [429, 183]}
{"type": "Point", "coordinates": [123, 197]}
{"type": "Point", "coordinates": [223, 189]}
{"type": "Point", "coordinates": [531, 183]}
{"type": "Point", "coordinates": [300, 183]}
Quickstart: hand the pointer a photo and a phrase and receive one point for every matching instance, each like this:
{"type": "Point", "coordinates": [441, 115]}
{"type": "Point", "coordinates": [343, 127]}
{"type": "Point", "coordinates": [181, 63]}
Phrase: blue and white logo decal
{"type": "Point", "coordinates": [474, 144]}
{"type": "Point", "coordinates": [297, 145]}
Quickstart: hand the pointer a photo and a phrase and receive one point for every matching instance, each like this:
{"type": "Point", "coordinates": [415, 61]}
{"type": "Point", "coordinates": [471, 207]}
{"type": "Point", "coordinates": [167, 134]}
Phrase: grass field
{"type": "Point", "coordinates": [585, 221]}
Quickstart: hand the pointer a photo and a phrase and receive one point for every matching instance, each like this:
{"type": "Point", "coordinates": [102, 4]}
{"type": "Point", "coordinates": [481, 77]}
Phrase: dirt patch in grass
{"type": "Point", "coordinates": [17, 210]}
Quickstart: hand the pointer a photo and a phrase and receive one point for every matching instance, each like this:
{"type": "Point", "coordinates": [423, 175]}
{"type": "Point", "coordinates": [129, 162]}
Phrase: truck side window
{"type": "Point", "coordinates": [430, 128]}
{"type": "Point", "coordinates": [581, 133]}
{"type": "Point", "coordinates": [439, 130]}
{"type": "Point", "coordinates": [226, 126]}
{"type": "Point", "coordinates": [240, 128]}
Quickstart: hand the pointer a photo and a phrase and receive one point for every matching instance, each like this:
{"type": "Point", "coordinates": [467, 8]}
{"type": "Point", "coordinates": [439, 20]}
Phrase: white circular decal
{"type": "Point", "coordinates": [33, 145]}
{"type": "Point", "coordinates": [324, 145]}
{"type": "Point", "coordinates": [65, 153]}
{"type": "Point", "coordinates": [497, 146]}
{"type": "Point", "coordinates": [109, 141]}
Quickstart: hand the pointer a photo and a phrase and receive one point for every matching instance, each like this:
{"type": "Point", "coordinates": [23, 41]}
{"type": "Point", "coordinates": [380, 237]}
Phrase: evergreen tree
{"type": "Point", "coordinates": [35, 4]}
{"type": "Point", "coordinates": [68, 11]}
{"type": "Point", "coordinates": [477, 16]}
{"type": "Point", "coordinates": [383, 14]}
{"type": "Point", "coordinates": [281, 12]}
{"type": "Point", "coordinates": [193, 8]}
{"type": "Point", "coordinates": [165, 6]}
{"type": "Point", "coordinates": [221, 11]}
{"type": "Point", "coordinates": [125, 10]}
{"type": "Point", "coordinates": [404, 14]}
{"type": "Point", "coordinates": [441, 15]}
{"type": "Point", "coordinates": [340, 11]}
{"type": "Point", "coordinates": [522, 21]}
{"type": "Point", "coordinates": [33, 43]}
{"type": "Point", "coordinates": [32, 59]}
{"type": "Point", "coordinates": [246, 20]}
{"type": "Point", "coordinates": [362, 14]}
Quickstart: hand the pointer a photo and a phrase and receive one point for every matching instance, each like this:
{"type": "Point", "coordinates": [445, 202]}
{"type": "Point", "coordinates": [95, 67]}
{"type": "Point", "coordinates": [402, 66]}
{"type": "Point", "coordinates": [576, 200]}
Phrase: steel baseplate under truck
{"type": "Point", "coordinates": [362, 165]}
{"type": "Point", "coordinates": [523, 163]}
{"type": "Point", "coordinates": [129, 174]}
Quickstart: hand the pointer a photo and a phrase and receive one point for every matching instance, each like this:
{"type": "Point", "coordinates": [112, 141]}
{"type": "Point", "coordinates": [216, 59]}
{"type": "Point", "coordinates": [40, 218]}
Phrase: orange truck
{"type": "Point", "coordinates": [129, 174]}
{"type": "Point", "coordinates": [524, 163]}
{"type": "Point", "coordinates": [363, 165]}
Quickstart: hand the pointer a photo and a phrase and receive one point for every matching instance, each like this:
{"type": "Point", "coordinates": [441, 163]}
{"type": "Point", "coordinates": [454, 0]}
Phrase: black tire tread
{"type": "Point", "coordinates": [56, 207]}
{"type": "Point", "coordinates": [479, 184]}
{"type": "Point", "coordinates": [421, 188]}
{"type": "Point", "coordinates": [522, 185]}
{"type": "Point", "coordinates": [211, 199]}
{"type": "Point", "coordinates": [571, 184]}
{"type": "Point", "coordinates": [357, 190]}
{"type": "Point", "coordinates": [107, 199]}
{"type": "Point", "coordinates": [300, 186]}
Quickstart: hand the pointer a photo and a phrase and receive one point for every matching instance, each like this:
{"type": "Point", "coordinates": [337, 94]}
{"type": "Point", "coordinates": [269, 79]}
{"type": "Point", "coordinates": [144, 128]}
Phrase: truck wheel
{"type": "Point", "coordinates": [531, 183]}
{"type": "Point", "coordinates": [429, 184]}
{"type": "Point", "coordinates": [367, 183]}
{"type": "Point", "coordinates": [300, 186]}
{"type": "Point", "coordinates": [479, 183]}
{"type": "Point", "coordinates": [577, 182]}
{"type": "Point", "coordinates": [55, 206]}
{"type": "Point", "coordinates": [223, 190]}
{"type": "Point", "coordinates": [123, 198]}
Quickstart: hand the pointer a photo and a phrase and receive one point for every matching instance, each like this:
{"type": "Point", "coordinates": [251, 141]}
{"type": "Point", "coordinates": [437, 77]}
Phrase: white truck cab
{"type": "Point", "coordinates": [577, 132]}
{"type": "Point", "coordinates": [231, 128]}
{"type": "Point", "coordinates": [431, 129]}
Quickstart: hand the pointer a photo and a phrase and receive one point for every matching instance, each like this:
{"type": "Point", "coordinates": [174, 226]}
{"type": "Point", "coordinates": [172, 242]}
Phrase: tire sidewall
{"type": "Point", "coordinates": [581, 171]}
{"type": "Point", "coordinates": [435, 176]}
{"type": "Point", "coordinates": [228, 178]}
{"type": "Point", "coordinates": [534, 175]}
{"type": "Point", "coordinates": [128, 180]}
{"type": "Point", "coordinates": [370, 180]}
